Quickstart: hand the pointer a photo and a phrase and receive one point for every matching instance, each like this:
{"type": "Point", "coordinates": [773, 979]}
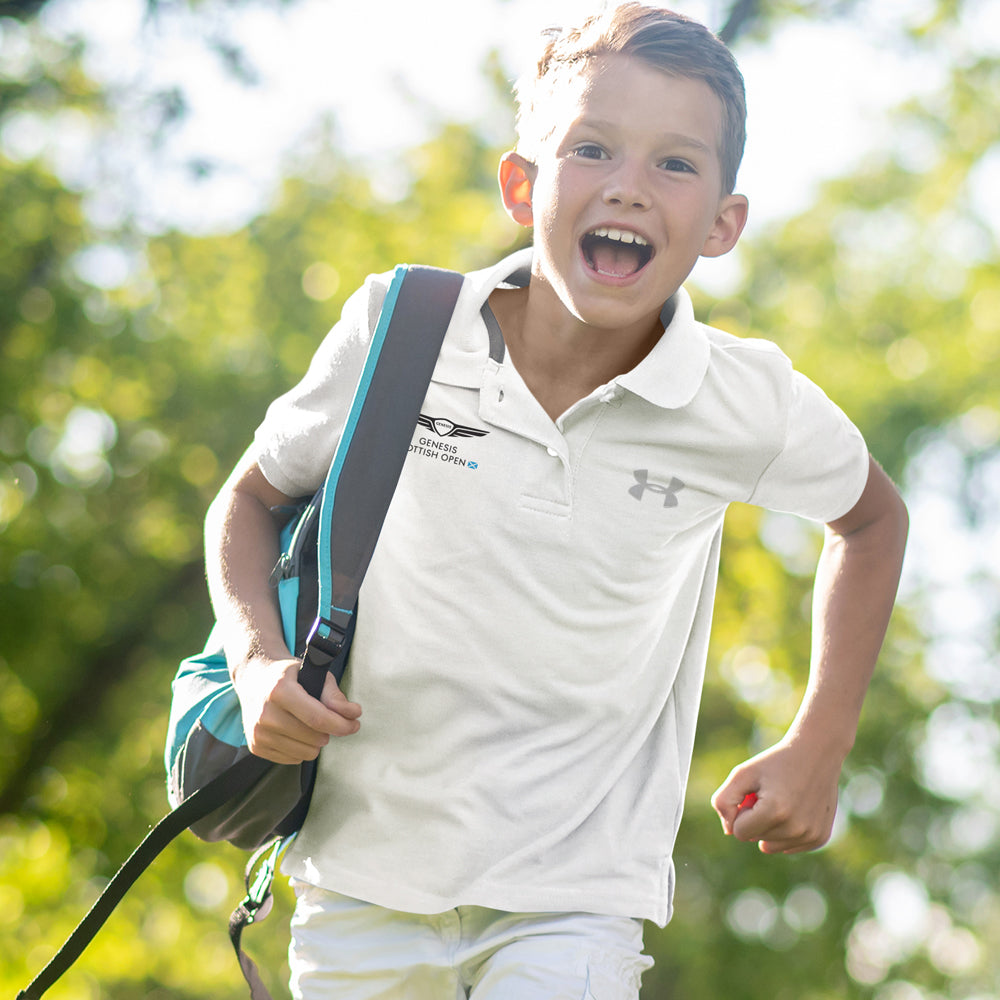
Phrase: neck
{"type": "Point", "coordinates": [561, 358]}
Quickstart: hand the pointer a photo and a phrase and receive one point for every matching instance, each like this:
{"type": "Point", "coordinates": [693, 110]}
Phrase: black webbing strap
{"type": "Point", "coordinates": [255, 906]}
{"type": "Point", "coordinates": [232, 782]}
{"type": "Point", "coordinates": [419, 322]}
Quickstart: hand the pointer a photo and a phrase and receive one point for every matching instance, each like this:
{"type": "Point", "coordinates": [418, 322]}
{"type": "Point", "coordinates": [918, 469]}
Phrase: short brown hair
{"type": "Point", "coordinates": [667, 41]}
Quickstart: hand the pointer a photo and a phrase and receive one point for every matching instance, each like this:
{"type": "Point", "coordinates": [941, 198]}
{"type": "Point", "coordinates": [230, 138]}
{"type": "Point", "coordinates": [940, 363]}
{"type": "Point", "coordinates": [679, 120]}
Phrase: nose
{"type": "Point", "coordinates": [627, 188]}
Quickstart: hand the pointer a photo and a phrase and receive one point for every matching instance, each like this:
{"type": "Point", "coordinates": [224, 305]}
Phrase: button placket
{"type": "Point", "coordinates": [546, 475]}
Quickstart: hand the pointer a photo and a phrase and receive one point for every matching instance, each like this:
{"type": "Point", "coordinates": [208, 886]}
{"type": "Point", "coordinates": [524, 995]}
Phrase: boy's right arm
{"type": "Point", "coordinates": [282, 722]}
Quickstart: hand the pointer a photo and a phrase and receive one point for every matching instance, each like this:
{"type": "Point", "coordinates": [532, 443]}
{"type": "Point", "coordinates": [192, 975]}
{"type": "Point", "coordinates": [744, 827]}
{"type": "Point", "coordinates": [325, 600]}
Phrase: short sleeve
{"type": "Point", "coordinates": [821, 470]}
{"type": "Point", "coordinates": [295, 443]}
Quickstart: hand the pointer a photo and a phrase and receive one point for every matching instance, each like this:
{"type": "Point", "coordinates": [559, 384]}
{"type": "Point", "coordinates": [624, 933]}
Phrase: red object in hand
{"type": "Point", "coordinates": [748, 801]}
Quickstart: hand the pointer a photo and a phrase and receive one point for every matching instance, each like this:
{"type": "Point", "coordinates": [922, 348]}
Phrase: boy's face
{"type": "Point", "coordinates": [627, 194]}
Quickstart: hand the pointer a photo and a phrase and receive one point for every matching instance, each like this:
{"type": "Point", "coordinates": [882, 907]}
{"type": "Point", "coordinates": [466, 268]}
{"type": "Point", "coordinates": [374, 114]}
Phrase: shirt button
{"type": "Point", "coordinates": [552, 452]}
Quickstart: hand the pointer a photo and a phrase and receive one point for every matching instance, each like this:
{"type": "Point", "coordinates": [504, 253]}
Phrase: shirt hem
{"type": "Point", "coordinates": [508, 898]}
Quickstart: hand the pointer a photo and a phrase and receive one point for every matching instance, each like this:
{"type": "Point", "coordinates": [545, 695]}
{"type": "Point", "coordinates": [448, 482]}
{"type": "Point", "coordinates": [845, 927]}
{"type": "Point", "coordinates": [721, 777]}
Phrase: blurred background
{"type": "Point", "coordinates": [188, 192]}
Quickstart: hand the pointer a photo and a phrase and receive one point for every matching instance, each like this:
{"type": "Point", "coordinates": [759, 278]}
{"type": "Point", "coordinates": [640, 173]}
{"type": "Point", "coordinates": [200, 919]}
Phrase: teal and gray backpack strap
{"type": "Point", "coordinates": [401, 359]}
{"type": "Point", "coordinates": [390, 391]}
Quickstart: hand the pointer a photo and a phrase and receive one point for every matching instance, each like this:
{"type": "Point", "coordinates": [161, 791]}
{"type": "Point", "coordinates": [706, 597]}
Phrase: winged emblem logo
{"type": "Point", "coordinates": [444, 427]}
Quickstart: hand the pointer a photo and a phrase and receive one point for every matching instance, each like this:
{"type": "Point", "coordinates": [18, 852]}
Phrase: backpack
{"type": "Point", "coordinates": [216, 787]}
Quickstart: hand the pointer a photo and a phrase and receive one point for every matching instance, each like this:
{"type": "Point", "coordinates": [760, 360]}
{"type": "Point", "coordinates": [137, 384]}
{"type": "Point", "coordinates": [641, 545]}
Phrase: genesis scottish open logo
{"type": "Point", "coordinates": [446, 428]}
{"type": "Point", "coordinates": [439, 446]}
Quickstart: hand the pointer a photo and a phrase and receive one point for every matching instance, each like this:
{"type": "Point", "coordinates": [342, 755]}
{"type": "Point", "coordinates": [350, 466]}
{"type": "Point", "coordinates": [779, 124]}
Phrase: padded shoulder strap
{"type": "Point", "coordinates": [376, 438]}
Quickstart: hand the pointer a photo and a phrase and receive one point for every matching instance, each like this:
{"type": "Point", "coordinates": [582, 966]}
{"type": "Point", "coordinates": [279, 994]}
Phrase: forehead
{"type": "Point", "coordinates": [629, 94]}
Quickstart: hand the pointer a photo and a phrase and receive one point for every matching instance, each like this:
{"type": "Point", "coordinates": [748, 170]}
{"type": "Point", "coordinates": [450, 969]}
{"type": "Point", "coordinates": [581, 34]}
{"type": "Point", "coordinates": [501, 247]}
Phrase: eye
{"type": "Point", "coordinates": [590, 151]}
{"type": "Point", "coordinates": [676, 165]}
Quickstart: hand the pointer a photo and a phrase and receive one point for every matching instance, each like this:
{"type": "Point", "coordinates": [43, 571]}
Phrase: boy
{"type": "Point", "coordinates": [534, 622]}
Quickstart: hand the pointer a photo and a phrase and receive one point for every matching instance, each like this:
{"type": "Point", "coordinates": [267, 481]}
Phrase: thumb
{"type": "Point", "coordinates": [731, 800]}
{"type": "Point", "coordinates": [335, 699]}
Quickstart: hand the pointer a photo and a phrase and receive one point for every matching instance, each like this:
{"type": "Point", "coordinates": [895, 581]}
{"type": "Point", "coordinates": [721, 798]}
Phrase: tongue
{"type": "Point", "coordinates": [616, 259]}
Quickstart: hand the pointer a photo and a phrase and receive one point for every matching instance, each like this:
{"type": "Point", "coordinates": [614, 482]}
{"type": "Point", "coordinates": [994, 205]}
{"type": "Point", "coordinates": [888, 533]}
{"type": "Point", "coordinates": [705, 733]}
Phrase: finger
{"type": "Point", "coordinates": [765, 820]}
{"type": "Point", "coordinates": [778, 847]}
{"type": "Point", "coordinates": [789, 834]}
{"type": "Point", "coordinates": [330, 715]}
{"type": "Point", "coordinates": [284, 752]}
{"type": "Point", "coordinates": [339, 720]}
{"type": "Point", "coordinates": [793, 844]}
{"type": "Point", "coordinates": [752, 828]}
{"type": "Point", "coordinates": [785, 847]}
{"type": "Point", "coordinates": [280, 734]}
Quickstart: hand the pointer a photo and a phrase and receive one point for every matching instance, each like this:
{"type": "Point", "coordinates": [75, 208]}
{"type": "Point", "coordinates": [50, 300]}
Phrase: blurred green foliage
{"type": "Point", "coordinates": [134, 368]}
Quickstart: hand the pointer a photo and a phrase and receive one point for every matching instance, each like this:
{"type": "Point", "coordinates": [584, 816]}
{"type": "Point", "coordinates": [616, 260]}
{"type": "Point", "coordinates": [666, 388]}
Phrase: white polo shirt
{"type": "Point", "coordinates": [532, 631]}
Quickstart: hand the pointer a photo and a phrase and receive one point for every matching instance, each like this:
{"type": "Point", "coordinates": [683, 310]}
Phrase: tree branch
{"type": "Point", "coordinates": [742, 15]}
{"type": "Point", "coordinates": [96, 677]}
{"type": "Point", "coordinates": [21, 10]}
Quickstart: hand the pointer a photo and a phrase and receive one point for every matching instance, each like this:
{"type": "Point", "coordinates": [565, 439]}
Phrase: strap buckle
{"type": "Point", "coordinates": [322, 648]}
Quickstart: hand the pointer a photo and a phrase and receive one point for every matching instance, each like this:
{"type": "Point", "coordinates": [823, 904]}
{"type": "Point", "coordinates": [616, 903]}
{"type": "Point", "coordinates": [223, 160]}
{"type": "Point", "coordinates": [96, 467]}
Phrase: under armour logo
{"type": "Point", "coordinates": [642, 484]}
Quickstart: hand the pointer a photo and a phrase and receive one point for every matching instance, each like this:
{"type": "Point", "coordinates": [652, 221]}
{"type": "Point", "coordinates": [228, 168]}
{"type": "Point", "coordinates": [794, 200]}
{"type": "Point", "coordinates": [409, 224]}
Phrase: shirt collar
{"type": "Point", "coordinates": [673, 371]}
{"type": "Point", "coordinates": [668, 377]}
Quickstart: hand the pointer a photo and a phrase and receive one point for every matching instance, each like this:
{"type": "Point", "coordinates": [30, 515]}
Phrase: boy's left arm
{"type": "Point", "coordinates": [796, 780]}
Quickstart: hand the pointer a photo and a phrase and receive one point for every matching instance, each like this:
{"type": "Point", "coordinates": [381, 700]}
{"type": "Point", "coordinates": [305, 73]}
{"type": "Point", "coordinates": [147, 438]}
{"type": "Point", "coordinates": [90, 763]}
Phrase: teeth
{"type": "Point", "coordinates": [620, 235]}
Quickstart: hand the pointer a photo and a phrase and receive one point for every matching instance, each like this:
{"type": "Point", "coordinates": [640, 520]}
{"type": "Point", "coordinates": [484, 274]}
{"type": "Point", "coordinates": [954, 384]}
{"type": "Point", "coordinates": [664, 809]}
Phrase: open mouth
{"type": "Point", "coordinates": [617, 253]}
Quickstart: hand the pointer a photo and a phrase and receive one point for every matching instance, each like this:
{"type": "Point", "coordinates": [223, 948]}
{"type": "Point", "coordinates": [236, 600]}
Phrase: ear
{"type": "Point", "coordinates": [517, 179]}
{"type": "Point", "coordinates": [727, 227]}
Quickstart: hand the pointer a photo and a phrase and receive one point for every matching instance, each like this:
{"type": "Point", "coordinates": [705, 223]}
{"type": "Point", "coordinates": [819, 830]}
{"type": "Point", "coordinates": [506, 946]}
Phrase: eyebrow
{"type": "Point", "coordinates": [674, 138]}
{"type": "Point", "coordinates": [688, 140]}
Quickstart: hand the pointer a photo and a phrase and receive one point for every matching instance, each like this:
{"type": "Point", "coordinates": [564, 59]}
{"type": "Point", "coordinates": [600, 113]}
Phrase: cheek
{"type": "Point", "coordinates": [556, 192]}
{"type": "Point", "coordinates": [552, 217]}
{"type": "Point", "coordinates": [698, 221]}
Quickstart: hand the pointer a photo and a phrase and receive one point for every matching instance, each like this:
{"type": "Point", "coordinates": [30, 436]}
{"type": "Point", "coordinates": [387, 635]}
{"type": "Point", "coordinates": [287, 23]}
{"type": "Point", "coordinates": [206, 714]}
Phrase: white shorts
{"type": "Point", "coordinates": [345, 949]}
